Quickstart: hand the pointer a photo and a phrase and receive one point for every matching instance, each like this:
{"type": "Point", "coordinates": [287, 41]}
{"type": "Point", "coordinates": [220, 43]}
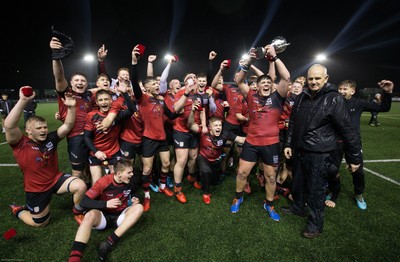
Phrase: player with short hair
{"type": "Point", "coordinates": [36, 155]}
{"type": "Point", "coordinates": [108, 202]}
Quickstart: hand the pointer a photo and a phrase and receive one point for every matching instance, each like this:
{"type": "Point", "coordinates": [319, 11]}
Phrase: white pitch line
{"type": "Point", "coordinates": [382, 176]}
{"type": "Point", "coordinates": [8, 164]}
{"type": "Point", "coordinates": [382, 161]}
{"type": "Point", "coordinates": [3, 143]}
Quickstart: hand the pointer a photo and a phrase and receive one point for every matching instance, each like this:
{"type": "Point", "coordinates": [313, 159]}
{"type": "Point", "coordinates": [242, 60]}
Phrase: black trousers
{"type": "Point", "coordinates": [310, 180]}
{"type": "Point", "coordinates": [209, 172]}
{"type": "Point", "coordinates": [334, 180]}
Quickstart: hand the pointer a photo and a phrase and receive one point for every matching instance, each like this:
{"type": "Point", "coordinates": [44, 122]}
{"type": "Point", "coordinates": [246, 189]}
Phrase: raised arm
{"type": "Point", "coordinates": [58, 69]}
{"type": "Point", "coordinates": [284, 75]}
{"type": "Point", "coordinates": [69, 122]}
{"type": "Point", "coordinates": [211, 101]}
{"type": "Point", "coordinates": [240, 79]}
{"type": "Point", "coordinates": [134, 74]}
{"type": "Point", "coordinates": [164, 76]}
{"type": "Point", "coordinates": [211, 56]}
{"type": "Point", "coordinates": [271, 70]}
{"type": "Point", "coordinates": [101, 56]}
{"type": "Point", "coordinates": [214, 83]}
{"type": "Point", "coordinates": [179, 105]}
{"type": "Point", "coordinates": [150, 68]}
{"type": "Point", "coordinates": [13, 132]}
{"type": "Point", "coordinates": [256, 70]}
{"type": "Point", "coordinates": [387, 87]}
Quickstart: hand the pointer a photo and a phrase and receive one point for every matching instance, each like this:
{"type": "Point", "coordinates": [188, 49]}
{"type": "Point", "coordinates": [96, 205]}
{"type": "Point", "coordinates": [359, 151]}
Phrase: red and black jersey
{"type": "Point", "coordinates": [105, 189]}
{"type": "Point", "coordinates": [205, 99]}
{"type": "Point", "coordinates": [132, 127]}
{"type": "Point", "coordinates": [83, 107]}
{"type": "Point", "coordinates": [169, 100]}
{"type": "Point", "coordinates": [105, 141]}
{"type": "Point", "coordinates": [180, 123]}
{"type": "Point", "coordinates": [287, 109]}
{"type": "Point", "coordinates": [233, 96]}
{"type": "Point", "coordinates": [221, 109]}
{"type": "Point", "coordinates": [38, 162]}
{"type": "Point", "coordinates": [264, 112]}
{"type": "Point", "coordinates": [152, 110]}
{"type": "Point", "coordinates": [243, 109]}
{"type": "Point", "coordinates": [211, 147]}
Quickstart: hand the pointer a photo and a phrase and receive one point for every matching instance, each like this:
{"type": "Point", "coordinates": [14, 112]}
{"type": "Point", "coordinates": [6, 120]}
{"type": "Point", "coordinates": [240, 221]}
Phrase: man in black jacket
{"type": "Point", "coordinates": [317, 117]}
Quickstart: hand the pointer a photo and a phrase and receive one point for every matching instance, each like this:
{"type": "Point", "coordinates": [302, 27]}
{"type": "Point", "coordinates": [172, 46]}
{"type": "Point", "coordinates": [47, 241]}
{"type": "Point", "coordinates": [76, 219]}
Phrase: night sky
{"type": "Point", "coordinates": [361, 38]}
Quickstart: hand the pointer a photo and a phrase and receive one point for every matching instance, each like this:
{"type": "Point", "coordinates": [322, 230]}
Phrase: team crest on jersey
{"type": "Point", "coordinates": [220, 142]}
{"type": "Point", "coordinates": [291, 103]}
{"type": "Point", "coordinates": [50, 146]}
{"type": "Point", "coordinates": [268, 102]}
{"type": "Point", "coordinates": [126, 192]}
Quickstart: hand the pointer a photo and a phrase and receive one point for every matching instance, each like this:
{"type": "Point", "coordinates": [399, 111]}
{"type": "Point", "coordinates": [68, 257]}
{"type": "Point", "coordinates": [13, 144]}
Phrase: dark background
{"type": "Point", "coordinates": [361, 38]}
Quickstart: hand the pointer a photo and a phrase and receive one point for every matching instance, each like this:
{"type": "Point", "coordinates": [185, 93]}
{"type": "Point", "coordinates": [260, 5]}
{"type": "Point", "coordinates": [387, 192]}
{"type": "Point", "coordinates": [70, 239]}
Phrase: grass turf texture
{"type": "Point", "coordinates": [172, 231]}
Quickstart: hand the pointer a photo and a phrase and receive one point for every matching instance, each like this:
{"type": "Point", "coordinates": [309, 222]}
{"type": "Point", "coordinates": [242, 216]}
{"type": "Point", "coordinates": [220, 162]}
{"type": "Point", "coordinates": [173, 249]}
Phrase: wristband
{"type": "Point", "coordinates": [273, 59]}
{"type": "Point", "coordinates": [244, 68]}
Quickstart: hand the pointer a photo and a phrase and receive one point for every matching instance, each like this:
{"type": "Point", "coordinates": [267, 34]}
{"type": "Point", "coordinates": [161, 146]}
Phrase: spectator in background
{"type": "Point", "coordinates": [374, 114]}
{"type": "Point", "coordinates": [6, 105]}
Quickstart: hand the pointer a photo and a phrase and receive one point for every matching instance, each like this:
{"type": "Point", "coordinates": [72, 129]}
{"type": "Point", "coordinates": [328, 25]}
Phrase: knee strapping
{"type": "Point", "coordinates": [41, 220]}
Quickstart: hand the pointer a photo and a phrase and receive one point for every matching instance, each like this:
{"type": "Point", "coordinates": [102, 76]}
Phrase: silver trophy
{"type": "Point", "coordinates": [280, 44]}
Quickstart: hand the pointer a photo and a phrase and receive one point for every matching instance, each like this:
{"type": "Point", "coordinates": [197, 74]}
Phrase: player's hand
{"type": "Point", "coordinates": [288, 152]}
{"type": "Point", "coordinates": [114, 203]}
{"type": "Point", "coordinates": [353, 168]}
{"type": "Point", "coordinates": [386, 86]}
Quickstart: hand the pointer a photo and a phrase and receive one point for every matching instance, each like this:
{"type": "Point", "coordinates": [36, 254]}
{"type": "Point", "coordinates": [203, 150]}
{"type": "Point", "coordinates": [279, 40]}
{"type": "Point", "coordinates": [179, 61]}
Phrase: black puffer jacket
{"type": "Point", "coordinates": [315, 124]}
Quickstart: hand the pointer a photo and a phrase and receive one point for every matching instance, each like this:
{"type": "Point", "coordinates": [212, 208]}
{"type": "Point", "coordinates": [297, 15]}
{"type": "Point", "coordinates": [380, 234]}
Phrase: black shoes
{"type": "Point", "coordinates": [310, 235]}
{"type": "Point", "coordinates": [104, 249]}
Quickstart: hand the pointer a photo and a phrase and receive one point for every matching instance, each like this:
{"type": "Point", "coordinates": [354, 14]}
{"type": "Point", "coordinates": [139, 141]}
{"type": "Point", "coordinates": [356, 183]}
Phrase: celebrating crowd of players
{"type": "Point", "coordinates": [137, 120]}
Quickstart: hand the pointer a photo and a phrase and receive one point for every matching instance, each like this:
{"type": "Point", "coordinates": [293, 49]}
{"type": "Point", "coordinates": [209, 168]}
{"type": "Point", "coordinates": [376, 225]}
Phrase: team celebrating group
{"type": "Point", "coordinates": [188, 130]}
